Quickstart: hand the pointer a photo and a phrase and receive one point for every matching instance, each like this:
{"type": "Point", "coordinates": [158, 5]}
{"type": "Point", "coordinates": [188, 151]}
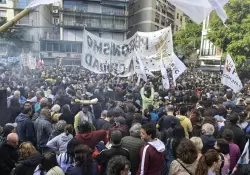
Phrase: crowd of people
{"type": "Point", "coordinates": [71, 121]}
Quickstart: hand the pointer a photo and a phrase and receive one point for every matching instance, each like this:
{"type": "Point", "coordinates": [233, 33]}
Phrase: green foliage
{"type": "Point", "coordinates": [10, 33]}
{"type": "Point", "coordinates": [234, 36]}
{"type": "Point", "coordinates": [187, 41]}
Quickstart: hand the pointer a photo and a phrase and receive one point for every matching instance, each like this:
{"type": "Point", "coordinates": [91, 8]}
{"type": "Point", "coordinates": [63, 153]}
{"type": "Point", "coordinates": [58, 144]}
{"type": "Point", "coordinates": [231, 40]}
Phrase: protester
{"type": "Point", "coordinates": [152, 154]}
{"type": "Point", "coordinates": [85, 164]}
{"type": "Point", "coordinates": [185, 122]}
{"type": "Point", "coordinates": [67, 159]}
{"type": "Point", "coordinates": [103, 123]}
{"type": "Point", "coordinates": [43, 129]}
{"type": "Point", "coordinates": [222, 146]}
{"type": "Point", "coordinates": [25, 127]}
{"type": "Point", "coordinates": [186, 161]}
{"type": "Point", "coordinates": [198, 144]}
{"type": "Point", "coordinates": [120, 124]}
{"type": "Point", "coordinates": [48, 163]}
{"type": "Point", "coordinates": [58, 128]}
{"type": "Point", "coordinates": [133, 144]}
{"type": "Point", "coordinates": [7, 129]}
{"type": "Point", "coordinates": [209, 163]}
{"type": "Point", "coordinates": [234, 150]}
{"type": "Point", "coordinates": [8, 154]}
{"type": "Point", "coordinates": [67, 115]}
{"type": "Point", "coordinates": [59, 143]}
{"type": "Point", "coordinates": [88, 137]}
{"type": "Point", "coordinates": [116, 149]}
{"type": "Point", "coordinates": [118, 165]}
{"type": "Point", "coordinates": [207, 137]}
{"type": "Point", "coordinates": [29, 158]}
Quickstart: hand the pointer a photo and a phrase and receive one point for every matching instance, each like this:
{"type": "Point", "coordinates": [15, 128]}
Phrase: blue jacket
{"type": "Point", "coordinates": [43, 130]}
{"type": "Point", "coordinates": [25, 129]}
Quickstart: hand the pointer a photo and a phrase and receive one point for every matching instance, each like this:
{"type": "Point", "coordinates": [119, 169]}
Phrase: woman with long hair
{"type": "Point", "coordinates": [209, 163]}
{"type": "Point", "coordinates": [85, 164]}
{"type": "Point", "coordinates": [29, 158]}
{"type": "Point", "coordinates": [48, 163]}
{"type": "Point", "coordinates": [67, 115]}
{"type": "Point", "coordinates": [67, 159]}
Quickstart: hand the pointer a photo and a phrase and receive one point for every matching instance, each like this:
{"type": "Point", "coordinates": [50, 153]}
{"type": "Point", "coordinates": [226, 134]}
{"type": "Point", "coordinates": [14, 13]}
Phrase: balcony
{"type": "Point", "coordinates": [94, 25]}
{"type": "Point", "coordinates": [26, 22]}
{"type": "Point", "coordinates": [208, 52]}
{"type": "Point", "coordinates": [50, 36]}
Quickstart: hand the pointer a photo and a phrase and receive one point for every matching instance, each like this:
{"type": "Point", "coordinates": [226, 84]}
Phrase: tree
{"type": "Point", "coordinates": [10, 33]}
{"type": "Point", "coordinates": [187, 40]}
{"type": "Point", "coordinates": [234, 36]}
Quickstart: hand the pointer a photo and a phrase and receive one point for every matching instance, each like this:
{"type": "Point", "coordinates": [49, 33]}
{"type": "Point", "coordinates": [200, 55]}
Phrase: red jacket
{"type": "Point", "coordinates": [93, 138]}
{"type": "Point", "coordinates": [152, 158]}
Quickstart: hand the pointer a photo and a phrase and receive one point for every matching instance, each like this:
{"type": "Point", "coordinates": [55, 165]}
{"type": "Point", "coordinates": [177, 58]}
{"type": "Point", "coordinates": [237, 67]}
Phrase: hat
{"type": "Point", "coordinates": [12, 124]}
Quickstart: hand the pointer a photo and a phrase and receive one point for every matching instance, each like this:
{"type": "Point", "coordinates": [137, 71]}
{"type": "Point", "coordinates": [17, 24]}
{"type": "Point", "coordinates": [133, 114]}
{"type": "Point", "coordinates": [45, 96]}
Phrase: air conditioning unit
{"type": "Point", "coordinates": [68, 54]}
{"type": "Point", "coordinates": [55, 11]}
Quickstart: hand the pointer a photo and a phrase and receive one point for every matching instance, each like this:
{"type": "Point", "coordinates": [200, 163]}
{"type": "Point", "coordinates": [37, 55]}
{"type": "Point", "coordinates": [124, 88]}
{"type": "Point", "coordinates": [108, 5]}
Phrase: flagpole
{"type": "Point", "coordinates": [14, 20]}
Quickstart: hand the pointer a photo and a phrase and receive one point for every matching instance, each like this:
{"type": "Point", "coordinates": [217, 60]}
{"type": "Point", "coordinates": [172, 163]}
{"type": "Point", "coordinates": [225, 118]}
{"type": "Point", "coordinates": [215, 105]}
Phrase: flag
{"type": "Point", "coordinates": [36, 3]}
{"type": "Point", "coordinates": [230, 77]}
{"type": "Point", "coordinates": [244, 158]}
{"type": "Point", "coordinates": [139, 68]}
{"type": "Point", "coordinates": [177, 67]}
{"type": "Point", "coordinates": [219, 10]}
{"type": "Point", "coordinates": [198, 10]}
{"type": "Point", "coordinates": [164, 73]}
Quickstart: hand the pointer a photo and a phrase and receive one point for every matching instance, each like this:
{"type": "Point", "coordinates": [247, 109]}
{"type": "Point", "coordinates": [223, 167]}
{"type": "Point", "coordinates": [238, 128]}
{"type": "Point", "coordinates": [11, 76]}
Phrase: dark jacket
{"type": "Point", "coordinates": [8, 158]}
{"type": "Point", "coordinates": [25, 129]}
{"type": "Point", "coordinates": [104, 156]}
{"type": "Point", "coordinates": [77, 170]}
{"type": "Point", "coordinates": [239, 136]}
{"type": "Point", "coordinates": [129, 118]}
{"type": "Point", "coordinates": [166, 121]}
{"type": "Point", "coordinates": [208, 143]}
{"type": "Point", "coordinates": [102, 124]}
{"type": "Point", "coordinates": [92, 139]}
{"type": "Point", "coordinates": [67, 117]}
{"type": "Point", "coordinates": [43, 130]}
{"type": "Point", "coordinates": [123, 128]}
{"type": "Point", "coordinates": [243, 169]}
{"type": "Point", "coordinates": [28, 166]}
{"type": "Point", "coordinates": [133, 144]}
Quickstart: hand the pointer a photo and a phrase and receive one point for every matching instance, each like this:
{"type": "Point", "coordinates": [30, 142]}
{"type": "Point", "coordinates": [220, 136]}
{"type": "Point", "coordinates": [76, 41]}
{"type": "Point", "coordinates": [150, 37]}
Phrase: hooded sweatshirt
{"type": "Point", "coordinates": [60, 142]}
{"type": "Point", "coordinates": [152, 158]}
{"type": "Point", "coordinates": [186, 124]}
{"type": "Point", "coordinates": [92, 139]}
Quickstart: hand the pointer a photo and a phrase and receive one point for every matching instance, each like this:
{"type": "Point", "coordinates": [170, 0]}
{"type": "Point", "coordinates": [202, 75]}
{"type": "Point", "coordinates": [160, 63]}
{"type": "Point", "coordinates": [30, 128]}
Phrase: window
{"type": "Point", "coordinates": [157, 18]}
{"type": "Point", "coordinates": [23, 3]}
{"type": "Point", "coordinates": [177, 16]}
{"type": "Point", "coordinates": [43, 46]}
{"type": "Point", "coordinates": [62, 48]}
{"type": "Point", "coordinates": [176, 28]}
{"type": "Point", "coordinates": [55, 21]}
{"type": "Point", "coordinates": [156, 27]}
{"type": "Point", "coordinates": [49, 46]}
{"type": "Point", "coordinates": [3, 13]}
{"type": "Point", "coordinates": [55, 47]}
{"type": "Point", "coordinates": [68, 47]}
{"type": "Point", "coordinates": [74, 47]}
{"type": "Point", "coordinates": [181, 18]}
{"type": "Point", "coordinates": [3, 1]}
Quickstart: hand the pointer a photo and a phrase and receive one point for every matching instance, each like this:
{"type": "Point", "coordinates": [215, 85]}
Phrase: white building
{"type": "Point", "coordinates": [210, 55]}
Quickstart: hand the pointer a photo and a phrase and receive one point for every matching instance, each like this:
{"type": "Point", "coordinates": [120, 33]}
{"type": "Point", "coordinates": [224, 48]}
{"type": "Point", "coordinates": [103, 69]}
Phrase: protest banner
{"type": "Point", "coordinates": [230, 77]}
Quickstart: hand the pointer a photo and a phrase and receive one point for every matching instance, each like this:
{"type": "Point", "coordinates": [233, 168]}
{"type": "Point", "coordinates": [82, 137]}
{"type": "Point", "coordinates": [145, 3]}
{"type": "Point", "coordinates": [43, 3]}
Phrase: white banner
{"type": "Point", "coordinates": [230, 77]}
{"type": "Point", "coordinates": [108, 56]}
{"type": "Point", "coordinates": [177, 67]}
{"type": "Point", "coordinates": [198, 10]}
{"type": "Point", "coordinates": [164, 73]}
{"type": "Point", "coordinates": [139, 68]}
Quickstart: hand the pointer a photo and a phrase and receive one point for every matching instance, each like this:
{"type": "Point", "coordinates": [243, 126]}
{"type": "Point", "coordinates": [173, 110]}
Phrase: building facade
{"type": "Point", "coordinates": [106, 19]}
{"type": "Point", "coordinates": [210, 55]}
